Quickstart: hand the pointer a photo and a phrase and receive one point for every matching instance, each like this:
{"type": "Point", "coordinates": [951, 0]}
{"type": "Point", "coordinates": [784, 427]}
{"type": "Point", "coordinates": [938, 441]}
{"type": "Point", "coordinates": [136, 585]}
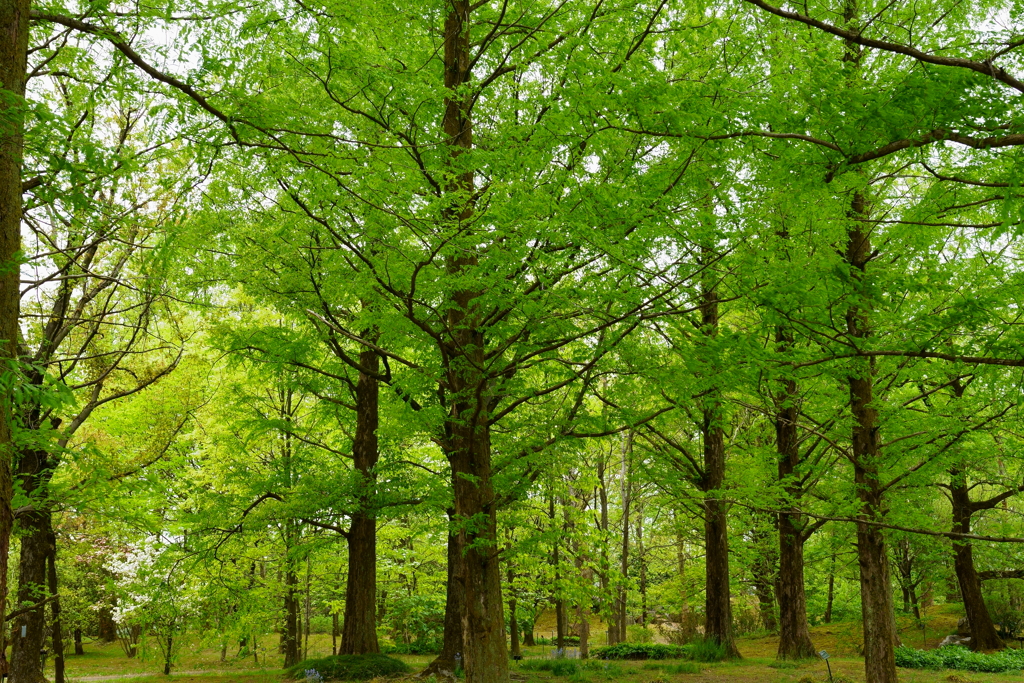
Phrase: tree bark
{"type": "Point", "coordinates": [794, 631]}
{"type": "Point", "coordinates": [983, 631]}
{"type": "Point", "coordinates": [444, 663]}
{"type": "Point", "coordinates": [717, 606]}
{"type": "Point", "coordinates": [77, 635]}
{"type": "Point", "coordinates": [56, 633]}
{"type": "Point", "coordinates": [290, 642]}
{"type": "Point", "coordinates": [467, 426]}
{"type": "Point", "coordinates": [359, 635]}
{"type": "Point", "coordinates": [875, 584]}
{"type": "Point", "coordinates": [29, 627]}
{"type": "Point", "coordinates": [14, 23]}
{"type": "Point", "coordinates": [621, 595]}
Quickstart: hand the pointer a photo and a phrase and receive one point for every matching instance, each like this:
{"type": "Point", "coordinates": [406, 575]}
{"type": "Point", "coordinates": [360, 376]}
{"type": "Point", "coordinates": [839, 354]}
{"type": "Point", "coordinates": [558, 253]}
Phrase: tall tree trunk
{"type": "Point", "coordinates": [556, 559]}
{"type": "Point", "coordinates": [467, 425]}
{"type": "Point", "coordinates": [717, 606]}
{"type": "Point", "coordinates": [359, 634]}
{"type": "Point", "coordinates": [77, 635]}
{"type": "Point", "coordinates": [875, 583]}
{"type": "Point", "coordinates": [513, 623]}
{"type": "Point", "coordinates": [444, 663]}
{"type": "Point", "coordinates": [831, 590]}
{"type": "Point", "coordinates": [14, 16]}
{"type": "Point", "coordinates": [29, 627]}
{"type": "Point", "coordinates": [56, 634]}
{"type": "Point", "coordinates": [641, 561]}
{"type": "Point", "coordinates": [983, 631]}
{"type": "Point", "coordinates": [794, 631]}
{"type": "Point", "coordinates": [606, 600]}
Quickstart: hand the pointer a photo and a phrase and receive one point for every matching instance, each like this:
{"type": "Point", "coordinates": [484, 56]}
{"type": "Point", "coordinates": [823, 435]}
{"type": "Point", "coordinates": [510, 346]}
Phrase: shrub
{"type": "Point", "coordinates": [959, 657]}
{"type": "Point", "coordinates": [349, 667]}
{"type": "Point", "coordinates": [707, 650]}
{"type": "Point", "coordinates": [419, 647]}
{"type": "Point", "coordinates": [639, 634]}
{"type": "Point", "coordinates": [641, 651]}
{"type": "Point", "coordinates": [559, 667]}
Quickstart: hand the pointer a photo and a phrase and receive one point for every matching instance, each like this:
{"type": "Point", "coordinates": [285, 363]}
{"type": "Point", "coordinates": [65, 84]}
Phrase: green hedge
{"type": "Point", "coordinates": [959, 657]}
{"type": "Point", "coordinates": [349, 667]}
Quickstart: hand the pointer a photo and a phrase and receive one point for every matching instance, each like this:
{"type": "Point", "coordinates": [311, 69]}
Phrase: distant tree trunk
{"type": "Point", "coordinates": [621, 598]}
{"type": "Point", "coordinates": [513, 624]}
{"type": "Point", "coordinates": [794, 631]}
{"type": "Point", "coordinates": [983, 632]}
{"type": "Point", "coordinates": [831, 589]}
{"type": "Point", "coordinates": [556, 559]}
{"type": "Point", "coordinates": [717, 605]}
{"type": "Point", "coordinates": [641, 560]}
{"type": "Point", "coordinates": [602, 494]}
{"type": "Point", "coordinates": [359, 634]}
{"type": "Point", "coordinates": [26, 663]}
{"type": "Point", "coordinates": [335, 632]}
{"type": "Point", "coordinates": [57, 635]}
{"type": "Point", "coordinates": [168, 653]}
{"type": "Point", "coordinates": [14, 27]}
{"type": "Point", "coordinates": [455, 587]}
{"type": "Point", "coordinates": [77, 634]}
{"type": "Point", "coordinates": [307, 610]}
{"type": "Point", "coordinates": [875, 584]}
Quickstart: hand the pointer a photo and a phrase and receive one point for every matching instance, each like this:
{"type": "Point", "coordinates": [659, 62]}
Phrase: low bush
{"type": "Point", "coordinates": [707, 650]}
{"type": "Point", "coordinates": [349, 667]}
{"type": "Point", "coordinates": [420, 647]}
{"type": "Point", "coordinates": [642, 651]}
{"type": "Point", "coordinates": [639, 634]}
{"type": "Point", "coordinates": [559, 667]}
{"type": "Point", "coordinates": [959, 657]}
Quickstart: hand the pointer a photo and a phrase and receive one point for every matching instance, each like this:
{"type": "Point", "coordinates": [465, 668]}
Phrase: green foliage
{"type": "Point", "coordinates": [639, 634]}
{"type": "Point", "coordinates": [558, 667]}
{"type": "Point", "coordinates": [707, 650]}
{"type": "Point", "coordinates": [642, 651]}
{"type": "Point", "coordinates": [959, 657]}
{"type": "Point", "coordinates": [349, 667]}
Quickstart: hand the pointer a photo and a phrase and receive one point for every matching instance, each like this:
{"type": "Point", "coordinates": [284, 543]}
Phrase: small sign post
{"type": "Point", "coordinates": [824, 655]}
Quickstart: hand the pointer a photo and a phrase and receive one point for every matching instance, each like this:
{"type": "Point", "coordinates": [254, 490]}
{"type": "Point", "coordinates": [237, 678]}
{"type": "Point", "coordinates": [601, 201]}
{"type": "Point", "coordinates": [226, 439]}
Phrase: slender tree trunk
{"type": "Point", "coordinates": [983, 631]}
{"type": "Point", "coordinates": [335, 633]}
{"type": "Point", "coordinates": [602, 494]}
{"type": "Point", "coordinates": [307, 609]}
{"type": "Point", "coordinates": [875, 583]}
{"type": "Point", "coordinates": [56, 634]}
{"type": "Point", "coordinates": [513, 625]}
{"type": "Point", "coordinates": [444, 663]}
{"type": "Point", "coordinates": [14, 16]}
{"type": "Point", "coordinates": [291, 617]}
{"type": "Point", "coordinates": [794, 631]}
{"type": "Point", "coordinates": [169, 653]}
{"type": "Point", "coordinates": [622, 596]}
{"type": "Point", "coordinates": [77, 635]}
{"type": "Point", "coordinates": [641, 560]}
{"type": "Point", "coordinates": [717, 606]}
{"type": "Point", "coordinates": [359, 634]}
{"type": "Point", "coordinates": [29, 627]}
{"type": "Point", "coordinates": [556, 559]}
{"type": "Point", "coordinates": [831, 589]}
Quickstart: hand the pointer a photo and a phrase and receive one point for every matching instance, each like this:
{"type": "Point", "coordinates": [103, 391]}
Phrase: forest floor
{"type": "Point", "coordinates": [200, 662]}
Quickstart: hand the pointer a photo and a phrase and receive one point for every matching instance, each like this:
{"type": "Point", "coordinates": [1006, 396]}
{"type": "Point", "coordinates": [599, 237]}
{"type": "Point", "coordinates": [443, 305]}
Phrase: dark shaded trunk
{"type": "Point", "coordinates": [169, 655]}
{"type": "Point", "coordinates": [107, 625]}
{"type": "Point", "coordinates": [621, 595]}
{"type": "Point", "coordinates": [513, 626]}
{"type": "Point", "coordinates": [290, 634]}
{"type": "Point", "coordinates": [335, 633]}
{"type": "Point", "coordinates": [35, 525]}
{"type": "Point", "coordinates": [56, 634]}
{"type": "Point", "coordinates": [359, 634]}
{"type": "Point", "coordinates": [14, 22]}
{"type": "Point", "coordinates": [875, 584]}
{"type": "Point", "coordinates": [983, 631]}
{"type": "Point", "coordinates": [77, 635]}
{"type": "Point", "coordinates": [641, 561]}
{"type": "Point", "coordinates": [717, 606]}
{"type": "Point", "coordinates": [794, 631]}
{"type": "Point", "coordinates": [606, 599]}
{"type": "Point", "coordinates": [556, 559]}
{"type": "Point", "coordinates": [455, 598]}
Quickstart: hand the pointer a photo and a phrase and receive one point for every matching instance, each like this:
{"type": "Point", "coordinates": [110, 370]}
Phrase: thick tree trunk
{"type": "Point", "coordinates": [14, 16]}
{"type": "Point", "coordinates": [875, 584]}
{"type": "Point", "coordinates": [717, 606]}
{"type": "Point", "coordinates": [513, 626]}
{"type": "Point", "coordinates": [794, 631]}
{"type": "Point", "coordinates": [29, 627]}
{"type": "Point", "coordinates": [444, 664]}
{"type": "Point", "coordinates": [467, 427]}
{"type": "Point", "coordinates": [359, 635]}
{"type": "Point", "coordinates": [983, 631]}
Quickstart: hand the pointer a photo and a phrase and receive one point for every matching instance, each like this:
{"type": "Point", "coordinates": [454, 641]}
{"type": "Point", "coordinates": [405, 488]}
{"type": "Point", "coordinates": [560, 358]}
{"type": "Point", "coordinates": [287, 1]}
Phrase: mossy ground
{"type": "Point", "coordinates": [199, 662]}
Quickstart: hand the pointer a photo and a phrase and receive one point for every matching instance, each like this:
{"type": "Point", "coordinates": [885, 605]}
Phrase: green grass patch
{"type": "Point", "coordinates": [642, 651]}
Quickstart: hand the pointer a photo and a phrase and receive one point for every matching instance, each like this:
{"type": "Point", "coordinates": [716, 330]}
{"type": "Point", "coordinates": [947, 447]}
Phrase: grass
{"type": "Point", "coordinates": [201, 661]}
